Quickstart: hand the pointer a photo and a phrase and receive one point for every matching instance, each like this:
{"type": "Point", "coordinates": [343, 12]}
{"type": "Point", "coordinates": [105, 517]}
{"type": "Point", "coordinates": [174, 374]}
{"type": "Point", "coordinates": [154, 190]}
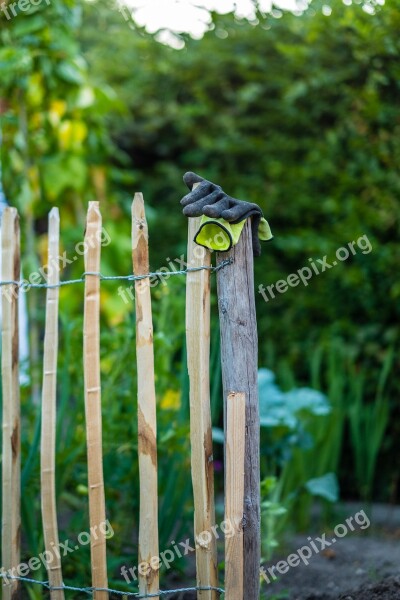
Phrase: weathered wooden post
{"type": "Point", "coordinates": [239, 355]}
{"type": "Point", "coordinates": [92, 383]}
{"type": "Point", "coordinates": [235, 435]}
{"type": "Point", "coordinates": [198, 354]}
{"type": "Point", "coordinates": [11, 453]}
{"type": "Point", "coordinates": [147, 413]}
{"type": "Point", "coordinates": [49, 413]}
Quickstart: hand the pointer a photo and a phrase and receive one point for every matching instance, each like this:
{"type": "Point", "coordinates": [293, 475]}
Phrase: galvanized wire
{"type": "Point", "coordinates": [91, 590]}
{"type": "Point", "coordinates": [160, 274]}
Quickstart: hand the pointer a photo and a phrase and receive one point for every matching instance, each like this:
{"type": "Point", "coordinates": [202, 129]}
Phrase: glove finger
{"type": "Point", "coordinates": [237, 212]}
{"type": "Point", "coordinates": [217, 203]}
{"type": "Point", "coordinates": [255, 223]}
{"type": "Point", "coordinates": [191, 178]}
{"type": "Point", "coordinates": [256, 246]}
{"type": "Point", "coordinates": [240, 211]}
{"type": "Point", "coordinates": [195, 209]}
{"type": "Point", "coordinates": [201, 191]}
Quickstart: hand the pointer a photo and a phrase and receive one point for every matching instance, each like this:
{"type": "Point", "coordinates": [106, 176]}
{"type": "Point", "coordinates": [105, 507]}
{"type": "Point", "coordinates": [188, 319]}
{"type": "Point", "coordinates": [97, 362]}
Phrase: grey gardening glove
{"type": "Point", "coordinates": [209, 199]}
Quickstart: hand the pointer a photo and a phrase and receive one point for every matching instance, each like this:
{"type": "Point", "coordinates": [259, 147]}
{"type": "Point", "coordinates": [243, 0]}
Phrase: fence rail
{"type": "Point", "coordinates": [198, 346]}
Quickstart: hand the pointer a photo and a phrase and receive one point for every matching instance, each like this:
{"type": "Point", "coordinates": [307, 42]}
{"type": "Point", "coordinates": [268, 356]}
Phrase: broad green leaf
{"type": "Point", "coordinates": [29, 24]}
{"type": "Point", "coordinates": [70, 73]}
{"type": "Point", "coordinates": [326, 487]}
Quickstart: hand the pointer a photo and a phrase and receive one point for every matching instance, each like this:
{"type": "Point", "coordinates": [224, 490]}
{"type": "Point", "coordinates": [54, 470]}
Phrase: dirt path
{"type": "Point", "coordinates": [361, 566]}
{"type": "Point", "coordinates": [353, 562]}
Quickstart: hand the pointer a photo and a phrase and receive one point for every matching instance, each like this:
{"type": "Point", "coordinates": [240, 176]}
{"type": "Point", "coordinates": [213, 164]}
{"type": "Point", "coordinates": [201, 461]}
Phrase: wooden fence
{"type": "Point", "coordinates": [239, 364]}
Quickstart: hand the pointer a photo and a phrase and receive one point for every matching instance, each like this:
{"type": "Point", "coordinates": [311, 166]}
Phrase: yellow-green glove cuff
{"type": "Point", "coordinates": [264, 231]}
{"type": "Point", "coordinates": [218, 234]}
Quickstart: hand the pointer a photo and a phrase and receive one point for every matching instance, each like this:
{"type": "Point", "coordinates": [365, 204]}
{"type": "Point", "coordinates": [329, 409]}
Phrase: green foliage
{"type": "Point", "coordinates": [292, 423]}
{"type": "Point", "coordinates": [52, 116]}
{"type": "Point", "coordinates": [368, 424]}
{"type": "Point", "coordinates": [307, 445]}
{"type": "Point", "coordinates": [361, 408]}
{"type": "Point", "coordinates": [55, 143]}
{"type": "Point", "coordinates": [297, 114]}
{"type": "Point", "coordinates": [272, 510]}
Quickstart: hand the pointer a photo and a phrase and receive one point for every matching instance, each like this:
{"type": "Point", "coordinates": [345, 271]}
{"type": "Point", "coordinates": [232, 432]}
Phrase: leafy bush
{"type": "Point", "coordinates": [289, 460]}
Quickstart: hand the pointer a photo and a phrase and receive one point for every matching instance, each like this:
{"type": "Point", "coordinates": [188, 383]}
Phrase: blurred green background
{"type": "Point", "coordinates": [298, 113]}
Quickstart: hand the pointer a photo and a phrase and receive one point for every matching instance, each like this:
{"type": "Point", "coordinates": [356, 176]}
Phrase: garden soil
{"type": "Point", "coordinates": [360, 566]}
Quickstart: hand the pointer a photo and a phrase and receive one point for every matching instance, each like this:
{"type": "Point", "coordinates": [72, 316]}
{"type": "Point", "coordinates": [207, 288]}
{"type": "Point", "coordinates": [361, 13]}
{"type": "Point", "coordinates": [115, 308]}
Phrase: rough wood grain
{"type": "Point", "coordinates": [11, 455]}
{"type": "Point", "coordinates": [234, 494]}
{"type": "Point", "coordinates": [198, 357]}
{"type": "Point", "coordinates": [48, 433]}
{"type": "Point", "coordinates": [11, 458]}
{"type": "Point", "coordinates": [91, 350]}
{"type": "Point", "coordinates": [239, 356]}
{"type": "Point", "coordinates": [147, 419]}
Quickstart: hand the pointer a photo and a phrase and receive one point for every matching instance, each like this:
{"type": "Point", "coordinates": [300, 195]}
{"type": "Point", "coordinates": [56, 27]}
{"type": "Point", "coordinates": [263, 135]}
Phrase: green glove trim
{"type": "Point", "coordinates": [264, 231]}
{"type": "Point", "coordinates": [218, 234]}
